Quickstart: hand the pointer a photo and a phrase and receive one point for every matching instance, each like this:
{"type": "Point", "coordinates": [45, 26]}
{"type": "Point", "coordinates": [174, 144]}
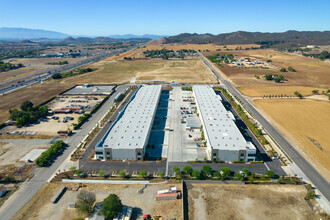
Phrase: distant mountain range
{"type": "Point", "coordinates": [85, 40]}
{"type": "Point", "coordinates": [243, 37]}
{"type": "Point", "coordinates": [19, 34]}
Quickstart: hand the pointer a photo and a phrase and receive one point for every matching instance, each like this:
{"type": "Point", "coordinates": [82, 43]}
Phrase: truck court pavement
{"type": "Point", "coordinates": [313, 175]}
{"type": "Point", "coordinates": [28, 189]}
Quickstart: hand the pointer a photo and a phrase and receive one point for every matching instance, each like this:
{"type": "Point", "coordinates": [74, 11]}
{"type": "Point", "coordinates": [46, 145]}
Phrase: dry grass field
{"type": "Point", "coordinates": [12, 74]}
{"type": "Point", "coordinates": [39, 207]}
{"type": "Point", "coordinates": [309, 72]}
{"type": "Point", "coordinates": [36, 94]}
{"type": "Point", "coordinates": [138, 53]}
{"type": "Point", "coordinates": [36, 62]}
{"type": "Point", "coordinates": [212, 201]}
{"type": "Point", "coordinates": [190, 70]}
{"type": "Point", "coordinates": [278, 90]}
{"type": "Point", "coordinates": [306, 123]}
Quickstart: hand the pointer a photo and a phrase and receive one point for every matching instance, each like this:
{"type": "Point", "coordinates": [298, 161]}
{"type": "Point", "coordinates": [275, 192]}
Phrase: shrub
{"type": "Point", "coordinates": [161, 174]}
{"type": "Point", "coordinates": [101, 173]}
{"type": "Point", "coordinates": [283, 69]}
{"type": "Point", "coordinates": [299, 95]}
{"type": "Point", "coordinates": [143, 173]}
{"type": "Point", "coordinates": [291, 69]}
{"type": "Point", "coordinates": [122, 173]}
{"type": "Point", "coordinates": [268, 61]}
{"type": "Point", "coordinates": [78, 172]}
{"type": "Point", "coordinates": [270, 173]}
{"type": "Point", "coordinates": [246, 171]}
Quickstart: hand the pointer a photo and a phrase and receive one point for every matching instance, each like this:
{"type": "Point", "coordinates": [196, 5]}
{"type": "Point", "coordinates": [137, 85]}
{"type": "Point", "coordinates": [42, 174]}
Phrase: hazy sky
{"type": "Point", "coordinates": [165, 17]}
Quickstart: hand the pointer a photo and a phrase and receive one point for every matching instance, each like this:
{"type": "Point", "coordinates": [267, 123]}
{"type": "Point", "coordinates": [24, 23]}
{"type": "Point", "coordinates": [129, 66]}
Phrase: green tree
{"type": "Point", "coordinates": [225, 172]}
{"type": "Point", "coordinates": [299, 95]}
{"type": "Point", "coordinates": [207, 170]}
{"type": "Point", "coordinates": [238, 175]}
{"type": "Point", "coordinates": [143, 173]}
{"type": "Point", "coordinates": [188, 170]}
{"type": "Point", "coordinates": [26, 105]}
{"type": "Point", "coordinates": [100, 173]}
{"type": "Point", "coordinates": [176, 170]}
{"type": "Point", "coordinates": [270, 173]}
{"type": "Point", "coordinates": [161, 174]}
{"type": "Point", "coordinates": [196, 174]}
{"type": "Point", "coordinates": [78, 172]}
{"type": "Point", "coordinates": [246, 171]}
{"type": "Point", "coordinates": [122, 173]}
{"type": "Point", "coordinates": [85, 201]}
{"type": "Point", "coordinates": [217, 174]}
{"type": "Point", "coordinates": [111, 206]}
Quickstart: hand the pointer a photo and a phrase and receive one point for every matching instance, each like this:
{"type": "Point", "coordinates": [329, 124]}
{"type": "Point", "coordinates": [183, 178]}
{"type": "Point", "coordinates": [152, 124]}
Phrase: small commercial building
{"type": "Point", "coordinates": [128, 136]}
{"type": "Point", "coordinates": [223, 139]}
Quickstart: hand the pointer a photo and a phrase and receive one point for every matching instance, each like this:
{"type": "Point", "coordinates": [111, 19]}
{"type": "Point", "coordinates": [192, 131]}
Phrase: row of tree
{"type": "Point", "coordinates": [59, 63]}
{"type": "Point", "coordinates": [45, 157]}
{"type": "Point", "coordinates": [28, 114]}
{"type": "Point", "coordinates": [9, 66]}
{"type": "Point", "coordinates": [223, 174]}
{"type": "Point", "coordinates": [72, 73]}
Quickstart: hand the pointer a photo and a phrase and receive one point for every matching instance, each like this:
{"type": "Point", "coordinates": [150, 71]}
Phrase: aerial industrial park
{"type": "Point", "coordinates": [228, 125]}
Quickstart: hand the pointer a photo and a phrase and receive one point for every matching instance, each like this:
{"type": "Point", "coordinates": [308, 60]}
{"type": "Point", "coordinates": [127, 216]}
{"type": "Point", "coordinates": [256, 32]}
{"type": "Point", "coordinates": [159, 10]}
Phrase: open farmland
{"type": "Point", "coordinates": [278, 90]}
{"type": "Point", "coordinates": [211, 201]}
{"type": "Point", "coordinates": [190, 70]}
{"type": "Point", "coordinates": [309, 72]}
{"type": "Point", "coordinates": [40, 206]}
{"type": "Point", "coordinates": [306, 124]}
{"type": "Point", "coordinates": [36, 94]}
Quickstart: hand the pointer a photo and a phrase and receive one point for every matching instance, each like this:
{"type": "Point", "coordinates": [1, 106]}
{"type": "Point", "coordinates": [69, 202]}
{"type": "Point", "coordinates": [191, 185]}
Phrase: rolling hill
{"type": "Point", "coordinates": [243, 37]}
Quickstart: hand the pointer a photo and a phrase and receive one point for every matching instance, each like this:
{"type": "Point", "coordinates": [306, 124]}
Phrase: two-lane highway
{"type": "Point", "coordinates": [313, 175]}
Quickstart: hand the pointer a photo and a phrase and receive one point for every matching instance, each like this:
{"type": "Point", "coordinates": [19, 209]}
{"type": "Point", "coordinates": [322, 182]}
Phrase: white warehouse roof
{"type": "Point", "coordinates": [132, 128]}
{"type": "Point", "coordinates": [218, 123]}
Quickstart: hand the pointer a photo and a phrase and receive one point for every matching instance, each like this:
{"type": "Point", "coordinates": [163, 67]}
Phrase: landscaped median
{"type": "Point", "coordinates": [47, 155]}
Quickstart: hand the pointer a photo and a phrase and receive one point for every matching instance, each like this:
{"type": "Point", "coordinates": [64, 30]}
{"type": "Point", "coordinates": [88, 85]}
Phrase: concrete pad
{"type": "Point", "coordinates": [32, 155]}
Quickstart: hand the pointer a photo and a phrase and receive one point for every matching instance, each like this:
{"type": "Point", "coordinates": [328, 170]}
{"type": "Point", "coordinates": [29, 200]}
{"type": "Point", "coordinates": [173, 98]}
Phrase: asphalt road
{"type": "Point", "coordinates": [12, 85]}
{"type": "Point", "coordinates": [28, 189]}
{"type": "Point", "coordinates": [313, 175]}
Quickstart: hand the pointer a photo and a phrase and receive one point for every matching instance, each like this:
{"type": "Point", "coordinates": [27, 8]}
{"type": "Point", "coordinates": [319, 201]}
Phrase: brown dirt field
{"type": "Point", "coordinates": [190, 70]}
{"type": "Point", "coordinates": [39, 206]}
{"type": "Point", "coordinates": [37, 94]}
{"type": "Point", "coordinates": [278, 90]}
{"type": "Point", "coordinates": [212, 201]}
{"type": "Point", "coordinates": [309, 72]}
{"type": "Point", "coordinates": [305, 123]}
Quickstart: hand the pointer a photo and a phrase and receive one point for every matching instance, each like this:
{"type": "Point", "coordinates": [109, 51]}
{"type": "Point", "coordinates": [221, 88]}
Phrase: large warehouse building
{"type": "Point", "coordinates": [224, 141]}
{"type": "Point", "coordinates": [128, 136]}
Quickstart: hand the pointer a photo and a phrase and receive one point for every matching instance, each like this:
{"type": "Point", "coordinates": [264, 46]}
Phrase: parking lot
{"type": "Point", "coordinates": [185, 143]}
